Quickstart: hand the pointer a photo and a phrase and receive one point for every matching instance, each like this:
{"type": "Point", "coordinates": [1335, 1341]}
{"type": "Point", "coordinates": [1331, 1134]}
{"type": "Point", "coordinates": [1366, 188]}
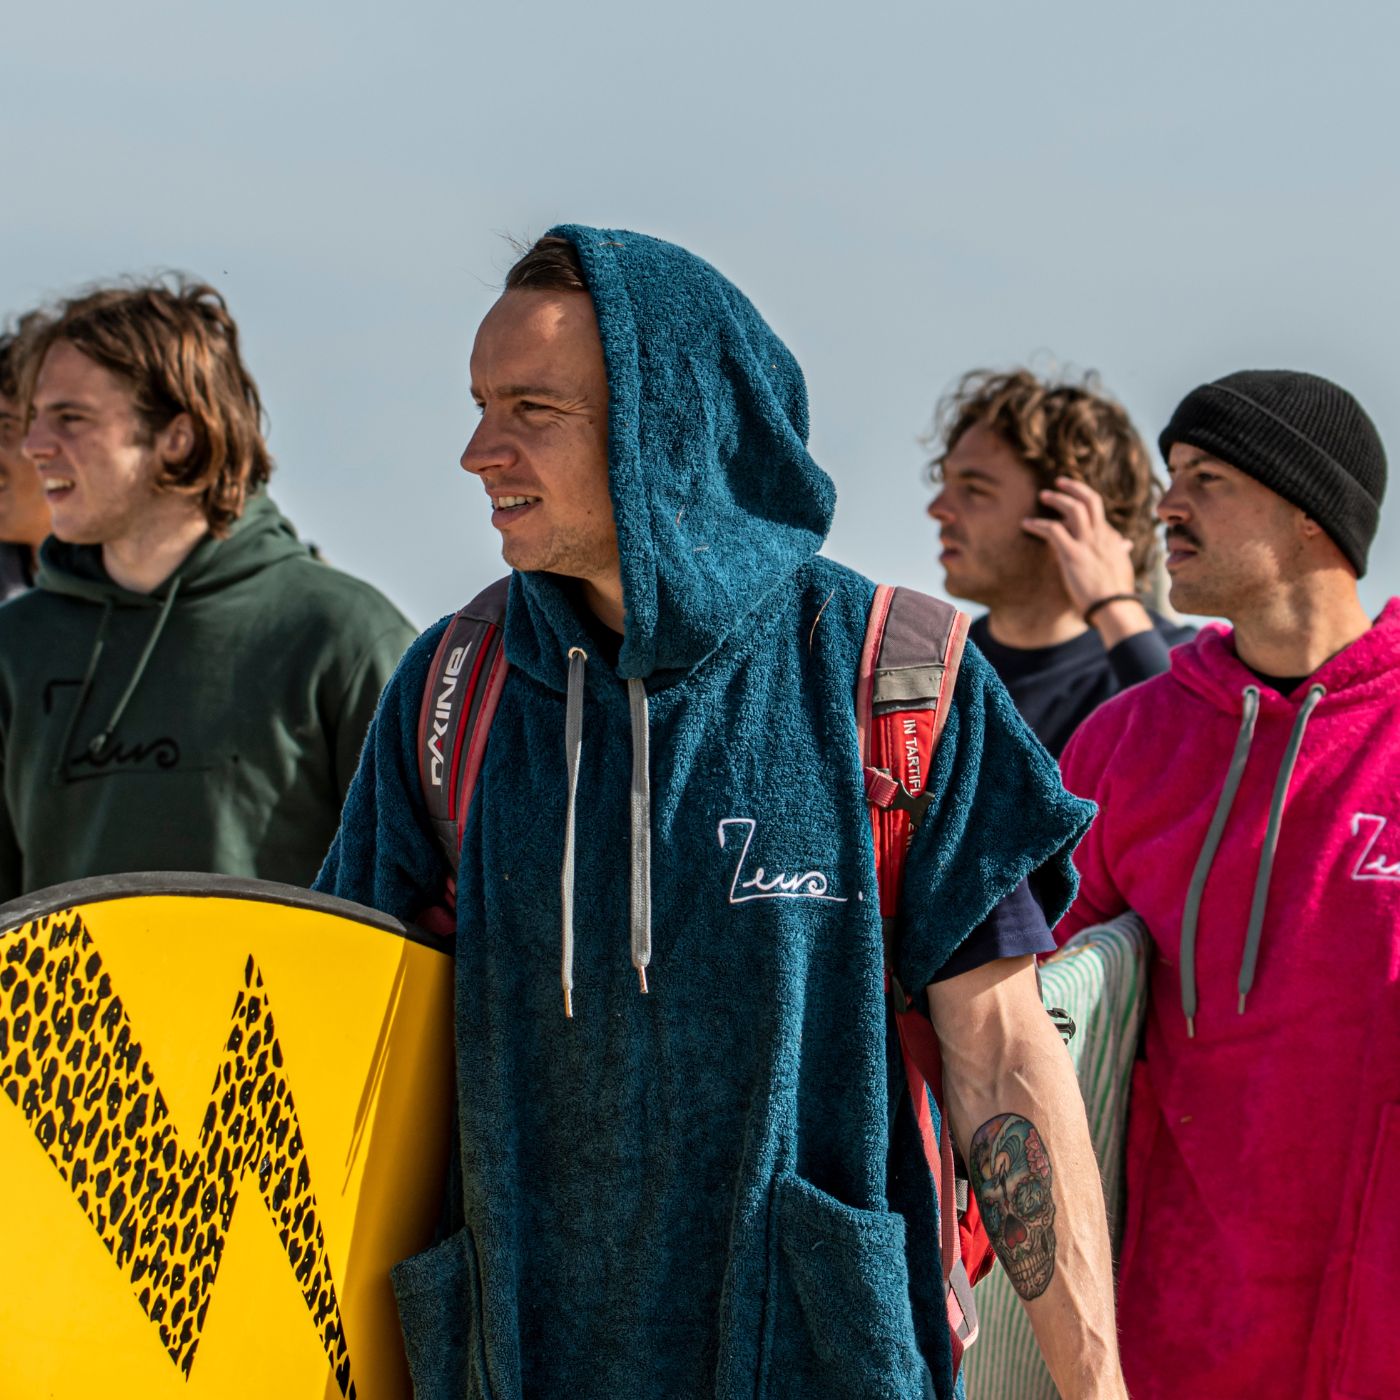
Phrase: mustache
{"type": "Point", "coordinates": [1179, 534]}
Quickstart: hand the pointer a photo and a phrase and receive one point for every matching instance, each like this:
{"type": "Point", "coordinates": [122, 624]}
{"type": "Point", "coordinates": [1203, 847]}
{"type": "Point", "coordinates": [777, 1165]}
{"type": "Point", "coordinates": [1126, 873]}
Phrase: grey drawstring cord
{"type": "Point", "coordinates": [573, 746]}
{"type": "Point", "coordinates": [640, 892]}
{"type": "Point", "coordinates": [1266, 858]}
{"type": "Point", "coordinates": [641, 831]}
{"type": "Point", "coordinates": [60, 768]}
{"type": "Point", "coordinates": [1190, 915]}
{"type": "Point", "coordinates": [99, 742]}
{"type": "Point", "coordinates": [1190, 918]}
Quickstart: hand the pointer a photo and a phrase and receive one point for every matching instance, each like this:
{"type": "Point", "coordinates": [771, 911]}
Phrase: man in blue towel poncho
{"type": "Point", "coordinates": [706, 1180]}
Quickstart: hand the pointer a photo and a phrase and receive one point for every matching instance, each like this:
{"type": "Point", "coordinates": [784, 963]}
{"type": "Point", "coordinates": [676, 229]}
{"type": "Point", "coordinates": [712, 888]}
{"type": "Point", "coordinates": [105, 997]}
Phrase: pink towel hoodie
{"type": "Point", "coordinates": [1261, 1254]}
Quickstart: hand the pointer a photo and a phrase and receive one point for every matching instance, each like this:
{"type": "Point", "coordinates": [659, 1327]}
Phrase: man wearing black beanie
{"type": "Point", "coordinates": [1250, 813]}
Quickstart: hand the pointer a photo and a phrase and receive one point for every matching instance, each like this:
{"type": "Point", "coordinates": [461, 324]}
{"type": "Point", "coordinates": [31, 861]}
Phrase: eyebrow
{"type": "Point", "coordinates": [535, 391]}
{"type": "Point", "coordinates": [1195, 460]}
{"type": "Point", "coordinates": [972, 474]}
{"type": "Point", "coordinates": [61, 405]}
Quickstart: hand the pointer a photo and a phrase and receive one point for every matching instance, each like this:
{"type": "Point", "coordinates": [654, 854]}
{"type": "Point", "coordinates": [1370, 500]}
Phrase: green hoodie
{"type": "Point", "coordinates": [212, 725]}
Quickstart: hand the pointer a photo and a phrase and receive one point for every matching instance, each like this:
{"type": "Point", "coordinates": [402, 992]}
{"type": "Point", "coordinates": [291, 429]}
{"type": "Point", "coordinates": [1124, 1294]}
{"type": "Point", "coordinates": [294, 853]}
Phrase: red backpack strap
{"type": "Point", "coordinates": [459, 701]}
{"type": "Point", "coordinates": [908, 669]}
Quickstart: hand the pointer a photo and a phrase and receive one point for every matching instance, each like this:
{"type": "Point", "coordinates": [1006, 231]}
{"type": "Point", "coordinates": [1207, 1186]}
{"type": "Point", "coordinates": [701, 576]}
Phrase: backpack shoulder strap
{"type": "Point", "coordinates": [459, 700]}
{"type": "Point", "coordinates": [904, 691]}
{"type": "Point", "coordinates": [908, 668]}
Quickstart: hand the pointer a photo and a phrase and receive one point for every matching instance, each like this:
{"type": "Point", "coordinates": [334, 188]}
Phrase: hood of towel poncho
{"type": "Point", "coordinates": [716, 498]}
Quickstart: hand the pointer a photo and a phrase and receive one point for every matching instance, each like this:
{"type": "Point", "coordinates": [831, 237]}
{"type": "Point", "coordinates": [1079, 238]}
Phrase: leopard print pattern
{"type": "Point", "coordinates": [71, 1063]}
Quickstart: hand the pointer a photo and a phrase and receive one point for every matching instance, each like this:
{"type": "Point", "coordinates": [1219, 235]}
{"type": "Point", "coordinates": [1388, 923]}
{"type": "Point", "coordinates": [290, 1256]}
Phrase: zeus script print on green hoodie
{"type": "Point", "coordinates": [241, 690]}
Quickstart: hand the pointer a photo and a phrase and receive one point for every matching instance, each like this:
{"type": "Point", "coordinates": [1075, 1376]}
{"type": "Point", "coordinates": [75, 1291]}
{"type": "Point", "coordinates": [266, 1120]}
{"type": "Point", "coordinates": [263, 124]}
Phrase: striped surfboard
{"type": "Point", "coordinates": [1100, 978]}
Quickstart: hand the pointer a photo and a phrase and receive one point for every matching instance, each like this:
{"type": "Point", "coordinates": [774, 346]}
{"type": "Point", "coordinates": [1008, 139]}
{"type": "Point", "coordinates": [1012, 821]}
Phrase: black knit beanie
{"type": "Point", "coordinates": [1301, 436]}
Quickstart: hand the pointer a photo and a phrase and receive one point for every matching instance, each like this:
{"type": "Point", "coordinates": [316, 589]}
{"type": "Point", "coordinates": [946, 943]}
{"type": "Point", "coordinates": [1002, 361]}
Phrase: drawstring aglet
{"type": "Point", "coordinates": [1190, 1028]}
{"type": "Point", "coordinates": [642, 978]}
{"type": "Point", "coordinates": [569, 1002]}
{"type": "Point", "coordinates": [1242, 997]}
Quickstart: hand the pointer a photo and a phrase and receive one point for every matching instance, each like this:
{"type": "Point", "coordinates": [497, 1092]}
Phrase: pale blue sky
{"type": "Point", "coordinates": [1162, 192]}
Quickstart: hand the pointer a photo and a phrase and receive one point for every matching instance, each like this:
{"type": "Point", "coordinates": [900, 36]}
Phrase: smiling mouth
{"type": "Point", "coordinates": [57, 486]}
{"type": "Point", "coordinates": [508, 503]}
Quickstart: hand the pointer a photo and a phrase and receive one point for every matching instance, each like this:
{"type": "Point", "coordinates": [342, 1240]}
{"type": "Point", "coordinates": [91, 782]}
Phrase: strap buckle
{"type": "Point", "coordinates": [885, 791]}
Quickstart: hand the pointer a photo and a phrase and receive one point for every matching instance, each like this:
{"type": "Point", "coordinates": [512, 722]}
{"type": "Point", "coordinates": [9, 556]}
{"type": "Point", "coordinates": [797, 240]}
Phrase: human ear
{"type": "Point", "coordinates": [175, 441]}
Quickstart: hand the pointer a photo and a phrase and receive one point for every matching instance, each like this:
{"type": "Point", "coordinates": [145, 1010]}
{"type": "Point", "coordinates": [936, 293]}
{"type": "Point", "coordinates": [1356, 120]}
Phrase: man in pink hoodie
{"type": "Point", "coordinates": [1250, 813]}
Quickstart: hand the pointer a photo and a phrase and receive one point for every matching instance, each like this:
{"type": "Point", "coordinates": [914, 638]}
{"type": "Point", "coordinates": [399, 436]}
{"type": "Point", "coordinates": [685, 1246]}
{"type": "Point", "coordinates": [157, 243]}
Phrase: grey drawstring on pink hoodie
{"type": "Point", "coordinates": [1190, 918]}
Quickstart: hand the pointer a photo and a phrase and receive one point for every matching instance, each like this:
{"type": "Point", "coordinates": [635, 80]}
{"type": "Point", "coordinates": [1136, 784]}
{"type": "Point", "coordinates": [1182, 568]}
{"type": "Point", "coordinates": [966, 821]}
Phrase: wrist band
{"type": "Point", "coordinates": [1088, 613]}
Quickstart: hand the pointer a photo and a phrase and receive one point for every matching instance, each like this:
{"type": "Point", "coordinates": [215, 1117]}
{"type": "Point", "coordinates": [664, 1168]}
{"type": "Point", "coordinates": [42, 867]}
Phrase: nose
{"type": "Point", "coordinates": [38, 444]}
{"type": "Point", "coordinates": [938, 509]}
{"type": "Point", "coordinates": [485, 449]}
{"type": "Point", "coordinates": [1172, 508]}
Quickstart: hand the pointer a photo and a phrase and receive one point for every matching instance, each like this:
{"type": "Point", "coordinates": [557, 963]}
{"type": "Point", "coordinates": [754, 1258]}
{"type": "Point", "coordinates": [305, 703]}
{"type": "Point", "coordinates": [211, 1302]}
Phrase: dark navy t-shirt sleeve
{"type": "Point", "coordinates": [1014, 929]}
{"type": "Point", "coordinates": [1139, 658]}
{"type": "Point", "coordinates": [1000, 814]}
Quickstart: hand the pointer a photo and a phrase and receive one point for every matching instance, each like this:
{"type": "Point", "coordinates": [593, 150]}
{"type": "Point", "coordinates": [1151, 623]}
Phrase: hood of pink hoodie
{"type": "Point", "coordinates": [1357, 675]}
{"type": "Point", "coordinates": [1261, 1223]}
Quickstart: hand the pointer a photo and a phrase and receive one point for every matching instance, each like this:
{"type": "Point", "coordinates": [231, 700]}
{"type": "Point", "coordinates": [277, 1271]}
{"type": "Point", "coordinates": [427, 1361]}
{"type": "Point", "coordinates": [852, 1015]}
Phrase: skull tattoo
{"type": "Point", "coordinates": [1012, 1178]}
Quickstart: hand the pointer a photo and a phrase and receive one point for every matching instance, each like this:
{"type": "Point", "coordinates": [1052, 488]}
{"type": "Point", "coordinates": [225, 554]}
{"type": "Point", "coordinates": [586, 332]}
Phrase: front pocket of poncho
{"type": "Point", "coordinates": [839, 1317]}
{"type": "Point", "coordinates": [439, 1298]}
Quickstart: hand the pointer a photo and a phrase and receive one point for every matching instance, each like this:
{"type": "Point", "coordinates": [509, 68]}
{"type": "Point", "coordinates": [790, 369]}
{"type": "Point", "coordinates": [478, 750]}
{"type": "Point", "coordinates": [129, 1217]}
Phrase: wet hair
{"type": "Point", "coordinates": [174, 344]}
{"type": "Point", "coordinates": [549, 264]}
{"type": "Point", "coordinates": [1061, 428]}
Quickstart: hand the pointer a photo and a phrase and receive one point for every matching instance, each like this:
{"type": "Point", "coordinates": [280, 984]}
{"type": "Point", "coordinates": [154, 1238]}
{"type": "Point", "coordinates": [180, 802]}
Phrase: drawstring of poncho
{"type": "Point", "coordinates": [97, 745]}
{"type": "Point", "coordinates": [640, 879]}
{"type": "Point", "coordinates": [1254, 932]}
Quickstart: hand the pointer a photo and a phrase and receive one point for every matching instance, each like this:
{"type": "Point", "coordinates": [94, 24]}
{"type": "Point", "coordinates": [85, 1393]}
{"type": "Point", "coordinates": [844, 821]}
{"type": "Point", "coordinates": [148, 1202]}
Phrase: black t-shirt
{"type": "Point", "coordinates": [1056, 688]}
{"type": "Point", "coordinates": [1014, 928]}
{"type": "Point", "coordinates": [1285, 685]}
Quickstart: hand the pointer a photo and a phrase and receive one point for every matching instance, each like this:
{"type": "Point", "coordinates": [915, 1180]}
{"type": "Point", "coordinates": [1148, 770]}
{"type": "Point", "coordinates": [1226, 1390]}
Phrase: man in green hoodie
{"type": "Point", "coordinates": [187, 686]}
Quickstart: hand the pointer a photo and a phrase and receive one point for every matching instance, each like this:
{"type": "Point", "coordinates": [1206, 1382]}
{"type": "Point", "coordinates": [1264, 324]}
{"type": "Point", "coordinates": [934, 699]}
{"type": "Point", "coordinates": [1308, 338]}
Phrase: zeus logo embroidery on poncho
{"type": "Point", "coordinates": [71, 1063]}
{"type": "Point", "coordinates": [809, 884]}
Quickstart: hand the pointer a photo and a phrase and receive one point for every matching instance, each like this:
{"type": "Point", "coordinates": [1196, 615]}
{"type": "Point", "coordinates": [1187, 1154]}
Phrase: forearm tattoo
{"type": "Point", "coordinates": [1011, 1175]}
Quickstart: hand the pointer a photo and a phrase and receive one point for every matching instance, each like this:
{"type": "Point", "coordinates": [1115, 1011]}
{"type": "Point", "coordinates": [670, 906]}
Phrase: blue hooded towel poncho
{"type": "Point", "coordinates": [712, 1189]}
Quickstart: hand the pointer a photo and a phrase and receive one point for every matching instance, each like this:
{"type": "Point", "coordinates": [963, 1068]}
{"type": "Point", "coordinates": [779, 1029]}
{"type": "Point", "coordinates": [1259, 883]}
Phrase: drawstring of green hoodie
{"type": "Point", "coordinates": [1190, 917]}
{"type": "Point", "coordinates": [97, 746]}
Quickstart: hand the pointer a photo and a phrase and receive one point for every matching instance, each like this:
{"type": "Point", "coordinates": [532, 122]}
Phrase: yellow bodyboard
{"type": "Point", "coordinates": [224, 1115]}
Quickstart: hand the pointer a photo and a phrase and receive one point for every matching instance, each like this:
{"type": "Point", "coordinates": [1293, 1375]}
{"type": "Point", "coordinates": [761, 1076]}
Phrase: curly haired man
{"type": "Point", "coordinates": [1045, 514]}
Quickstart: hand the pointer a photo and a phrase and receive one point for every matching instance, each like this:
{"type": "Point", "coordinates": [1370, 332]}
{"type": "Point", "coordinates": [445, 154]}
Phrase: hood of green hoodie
{"type": "Point", "coordinates": [716, 498]}
{"type": "Point", "coordinates": [262, 535]}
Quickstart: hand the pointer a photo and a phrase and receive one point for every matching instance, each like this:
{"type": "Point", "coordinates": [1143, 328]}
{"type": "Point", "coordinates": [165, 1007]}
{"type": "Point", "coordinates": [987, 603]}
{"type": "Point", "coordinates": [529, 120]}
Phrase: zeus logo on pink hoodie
{"type": "Point", "coordinates": [1372, 864]}
{"type": "Point", "coordinates": [1258, 836]}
